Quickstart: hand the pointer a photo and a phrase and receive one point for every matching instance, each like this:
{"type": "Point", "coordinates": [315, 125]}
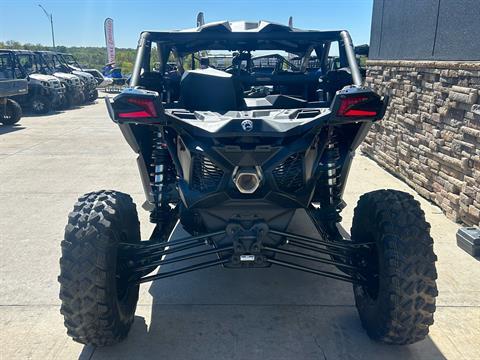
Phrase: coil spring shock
{"type": "Point", "coordinates": [328, 190]}
{"type": "Point", "coordinates": [163, 178]}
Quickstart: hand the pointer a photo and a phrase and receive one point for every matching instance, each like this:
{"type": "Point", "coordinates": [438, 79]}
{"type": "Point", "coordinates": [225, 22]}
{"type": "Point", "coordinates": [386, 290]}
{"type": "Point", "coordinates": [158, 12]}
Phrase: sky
{"type": "Point", "coordinates": [80, 23]}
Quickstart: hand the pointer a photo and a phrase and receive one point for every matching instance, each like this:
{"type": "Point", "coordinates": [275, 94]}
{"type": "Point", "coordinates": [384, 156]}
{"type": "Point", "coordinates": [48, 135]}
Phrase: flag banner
{"type": "Point", "coordinates": [200, 19]}
{"type": "Point", "coordinates": [109, 40]}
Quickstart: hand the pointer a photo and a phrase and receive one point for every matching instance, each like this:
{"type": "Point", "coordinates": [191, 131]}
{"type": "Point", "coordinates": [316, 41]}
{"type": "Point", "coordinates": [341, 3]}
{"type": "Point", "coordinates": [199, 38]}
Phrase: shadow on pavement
{"type": "Point", "coordinates": [272, 313]}
{"type": "Point", "coordinates": [5, 129]}
{"type": "Point", "coordinates": [29, 114]}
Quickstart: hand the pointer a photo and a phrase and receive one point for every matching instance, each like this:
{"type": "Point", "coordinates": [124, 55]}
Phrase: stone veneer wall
{"type": "Point", "coordinates": [430, 136]}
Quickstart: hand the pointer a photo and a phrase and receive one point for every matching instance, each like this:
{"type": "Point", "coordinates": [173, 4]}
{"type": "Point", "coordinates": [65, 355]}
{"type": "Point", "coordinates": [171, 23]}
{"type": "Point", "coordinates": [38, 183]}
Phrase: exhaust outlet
{"type": "Point", "coordinates": [248, 180]}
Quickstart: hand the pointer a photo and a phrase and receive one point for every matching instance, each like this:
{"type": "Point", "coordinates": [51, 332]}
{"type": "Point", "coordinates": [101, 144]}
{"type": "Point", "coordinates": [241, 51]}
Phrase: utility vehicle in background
{"type": "Point", "coordinates": [12, 83]}
{"type": "Point", "coordinates": [48, 65]}
{"type": "Point", "coordinates": [102, 81]}
{"type": "Point", "coordinates": [233, 168]}
{"type": "Point", "coordinates": [89, 83]}
{"type": "Point", "coordinates": [45, 92]}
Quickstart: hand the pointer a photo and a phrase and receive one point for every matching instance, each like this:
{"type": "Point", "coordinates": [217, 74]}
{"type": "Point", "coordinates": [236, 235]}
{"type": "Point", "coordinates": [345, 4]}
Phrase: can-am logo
{"type": "Point", "coordinates": [247, 125]}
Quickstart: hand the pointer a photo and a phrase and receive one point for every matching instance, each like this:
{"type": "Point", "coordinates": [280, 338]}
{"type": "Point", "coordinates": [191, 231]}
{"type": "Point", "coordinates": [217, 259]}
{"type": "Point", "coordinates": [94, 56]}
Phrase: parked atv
{"type": "Point", "coordinates": [234, 171]}
{"type": "Point", "coordinates": [49, 65]}
{"type": "Point", "coordinates": [11, 84]}
{"type": "Point", "coordinates": [45, 92]}
{"type": "Point", "coordinates": [89, 83]}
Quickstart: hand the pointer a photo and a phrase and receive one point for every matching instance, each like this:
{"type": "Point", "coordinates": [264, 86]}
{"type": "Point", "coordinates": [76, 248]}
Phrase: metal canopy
{"type": "Point", "coordinates": [242, 35]}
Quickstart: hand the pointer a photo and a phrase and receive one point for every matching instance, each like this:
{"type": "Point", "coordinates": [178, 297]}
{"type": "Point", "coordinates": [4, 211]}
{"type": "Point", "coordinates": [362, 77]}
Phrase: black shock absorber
{"type": "Point", "coordinates": [163, 180]}
{"type": "Point", "coordinates": [328, 189]}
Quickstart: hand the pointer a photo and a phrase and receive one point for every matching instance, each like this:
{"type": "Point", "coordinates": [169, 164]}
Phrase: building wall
{"type": "Point", "coordinates": [425, 30]}
{"type": "Point", "coordinates": [430, 136]}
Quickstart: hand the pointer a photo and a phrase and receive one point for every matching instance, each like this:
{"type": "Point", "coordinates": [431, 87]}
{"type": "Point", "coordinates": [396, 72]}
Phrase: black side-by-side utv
{"type": "Point", "coordinates": [12, 83]}
{"type": "Point", "coordinates": [232, 170]}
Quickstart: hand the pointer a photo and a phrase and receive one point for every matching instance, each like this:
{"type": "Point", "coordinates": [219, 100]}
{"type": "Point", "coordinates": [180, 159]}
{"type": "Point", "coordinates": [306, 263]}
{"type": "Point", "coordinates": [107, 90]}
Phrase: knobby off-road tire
{"type": "Point", "coordinates": [80, 99]}
{"type": "Point", "coordinates": [93, 96]}
{"type": "Point", "coordinates": [97, 305]}
{"type": "Point", "coordinates": [13, 113]}
{"type": "Point", "coordinates": [397, 306]}
{"type": "Point", "coordinates": [67, 101]}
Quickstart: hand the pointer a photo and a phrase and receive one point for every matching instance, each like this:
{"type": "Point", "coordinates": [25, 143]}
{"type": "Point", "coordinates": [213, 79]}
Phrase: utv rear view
{"type": "Point", "coordinates": [233, 168]}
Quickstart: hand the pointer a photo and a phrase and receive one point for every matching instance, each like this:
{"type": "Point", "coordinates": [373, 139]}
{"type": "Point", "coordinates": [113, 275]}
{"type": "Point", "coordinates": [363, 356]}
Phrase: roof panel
{"type": "Point", "coordinates": [242, 35]}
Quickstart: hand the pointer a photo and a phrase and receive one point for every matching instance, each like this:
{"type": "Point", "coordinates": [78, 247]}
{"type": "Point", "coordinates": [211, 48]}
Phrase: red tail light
{"type": "Point", "coordinates": [148, 109]}
{"type": "Point", "coordinates": [350, 107]}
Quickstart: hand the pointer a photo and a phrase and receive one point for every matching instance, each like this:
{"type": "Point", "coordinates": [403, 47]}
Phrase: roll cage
{"type": "Point", "coordinates": [52, 60]}
{"type": "Point", "coordinates": [242, 36]}
{"type": "Point", "coordinates": [10, 68]}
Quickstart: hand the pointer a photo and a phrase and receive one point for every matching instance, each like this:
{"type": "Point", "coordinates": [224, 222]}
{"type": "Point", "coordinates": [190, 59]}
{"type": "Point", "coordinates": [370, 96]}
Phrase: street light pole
{"type": "Point", "coordinates": [50, 17]}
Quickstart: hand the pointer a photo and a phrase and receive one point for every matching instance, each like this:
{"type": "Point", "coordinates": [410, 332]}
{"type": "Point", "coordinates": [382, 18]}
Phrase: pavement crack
{"type": "Point", "coordinates": [320, 347]}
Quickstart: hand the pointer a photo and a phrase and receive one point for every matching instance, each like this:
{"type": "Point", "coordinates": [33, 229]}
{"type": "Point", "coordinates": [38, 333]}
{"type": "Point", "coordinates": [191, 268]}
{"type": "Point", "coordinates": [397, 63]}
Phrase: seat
{"type": "Point", "coordinates": [336, 80]}
{"type": "Point", "coordinates": [210, 90]}
{"type": "Point", "coordinates": [152, 81]}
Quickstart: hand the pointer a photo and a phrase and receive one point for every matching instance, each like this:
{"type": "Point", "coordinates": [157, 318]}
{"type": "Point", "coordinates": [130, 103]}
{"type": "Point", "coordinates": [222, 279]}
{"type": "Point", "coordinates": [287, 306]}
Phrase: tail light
{"type": "Point", "coordinates": [147, 106]}
{"type": "Point", "coordinates": [135, 106]}
{"type": "Point", "coordinates": [352, 106]}
{"type": "Point", "coordinates": [359, 104]}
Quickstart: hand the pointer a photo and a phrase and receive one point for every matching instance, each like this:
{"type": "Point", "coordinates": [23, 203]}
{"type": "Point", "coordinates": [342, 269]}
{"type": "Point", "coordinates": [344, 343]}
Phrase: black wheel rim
{"type": "Point", "coordinates": [122, 275]}
{"type": "Point", "coordinates": [369, 260]}
{"type": "Point", "coordinates": [372, 275]}
{"type": "Point", "coordinates": [38, 105]}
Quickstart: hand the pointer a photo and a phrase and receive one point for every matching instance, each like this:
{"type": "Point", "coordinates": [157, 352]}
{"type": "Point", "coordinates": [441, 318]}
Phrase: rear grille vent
{"type": "Point", "coordinates": [206, 176]}
{"type": "Point", "coordinates": [304, 114]}
{"type": "Point", "coordinates": [289, 174]}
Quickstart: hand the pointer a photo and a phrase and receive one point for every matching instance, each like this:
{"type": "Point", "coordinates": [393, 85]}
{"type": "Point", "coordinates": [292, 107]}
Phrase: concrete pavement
{"type": "Point", "coordinates": [47, 162]}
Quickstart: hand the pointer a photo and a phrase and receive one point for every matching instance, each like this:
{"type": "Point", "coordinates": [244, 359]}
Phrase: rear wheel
{"type": "Point", "coordinates": [12, 114]}
{"type": "Point", "coordinates": [396, 305]}
{"type": "Point", "coordinates": [41, 104]}
{"type": "Point", "coordinates": [92, 96]}
{"type": "Point", "coordinates": [98, 303]}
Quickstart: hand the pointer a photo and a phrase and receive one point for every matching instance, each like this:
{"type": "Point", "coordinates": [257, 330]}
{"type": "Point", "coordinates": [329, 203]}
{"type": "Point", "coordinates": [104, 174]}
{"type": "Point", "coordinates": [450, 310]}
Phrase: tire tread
{"type": "Point", "coordinates": [85, 291]}
{"type": "Point", "coordinates": [410, 273]}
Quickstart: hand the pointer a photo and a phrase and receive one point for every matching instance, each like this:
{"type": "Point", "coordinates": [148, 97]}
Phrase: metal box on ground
{"type": "Point", "coordinates": [468, 239]}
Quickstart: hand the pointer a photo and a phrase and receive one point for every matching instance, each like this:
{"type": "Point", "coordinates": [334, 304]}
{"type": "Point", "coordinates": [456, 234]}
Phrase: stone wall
{"type": "Point", "coordinates": [430, 136]}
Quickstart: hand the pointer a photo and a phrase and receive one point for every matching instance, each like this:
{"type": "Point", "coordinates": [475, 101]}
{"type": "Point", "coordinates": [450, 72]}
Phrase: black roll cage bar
{"type": "Point", "coordinates": [300, 43]}
{"type": "Point", "coordinates": [15, 64]}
